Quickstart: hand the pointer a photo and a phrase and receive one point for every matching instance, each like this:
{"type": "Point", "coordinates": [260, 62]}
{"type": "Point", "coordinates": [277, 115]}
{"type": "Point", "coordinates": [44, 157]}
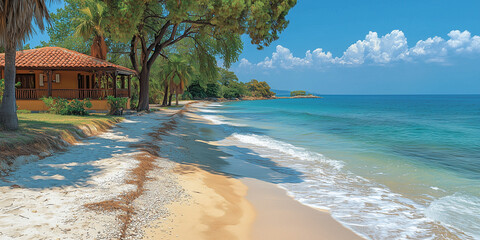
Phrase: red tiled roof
{"type": "Point", "coordinates": [61, 58]}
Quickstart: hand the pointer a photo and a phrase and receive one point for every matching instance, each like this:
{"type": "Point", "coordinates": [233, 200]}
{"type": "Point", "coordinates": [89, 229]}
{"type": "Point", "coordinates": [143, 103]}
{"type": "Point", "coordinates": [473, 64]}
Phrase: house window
{"type": "Point", "coordinates": [87, 81]}
{"type": "Point", "coordinates": [26, 80]}
{"type": "Point", "coordinates": [81, 83]}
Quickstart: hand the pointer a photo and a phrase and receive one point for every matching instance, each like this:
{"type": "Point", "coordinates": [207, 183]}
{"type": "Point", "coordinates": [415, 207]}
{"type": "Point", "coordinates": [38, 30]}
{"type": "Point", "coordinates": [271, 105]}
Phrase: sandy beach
{"type": "Point", "coordinates": [224, 206]}
{"type": "Point", "coordinates": [153, 176]}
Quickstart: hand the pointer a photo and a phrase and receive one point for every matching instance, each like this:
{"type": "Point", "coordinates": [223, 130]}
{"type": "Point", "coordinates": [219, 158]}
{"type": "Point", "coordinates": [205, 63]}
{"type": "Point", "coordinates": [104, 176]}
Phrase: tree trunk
{"type": "Point", "coordinates": [176, 98]}
{"type": "Point", "coordinates": [143, 96]}
{"type": "Point", "coordinates": [170, 100]}
{"type": "Point", "coordinates": [99, 48]}
{"type": "Point", "coordinates": [165, 97]}
{"type": "Point", "coordinates": [8, 110]}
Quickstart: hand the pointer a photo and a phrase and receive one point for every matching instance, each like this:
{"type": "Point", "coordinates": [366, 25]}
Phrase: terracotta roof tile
{"type": "Point", "coordinates": [60, 58]}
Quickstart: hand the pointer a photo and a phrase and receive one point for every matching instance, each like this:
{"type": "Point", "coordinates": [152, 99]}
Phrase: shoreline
{"type": "Point", "coordinates": [88, 191]}
{"type": "Point", "coordinates": [299, 222]}
{"type": "Point", "coordinates": [263, 210]}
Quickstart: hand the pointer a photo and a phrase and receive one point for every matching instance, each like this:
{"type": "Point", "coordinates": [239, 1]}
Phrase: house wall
{"type": "Point", "coordinates": [38, 105]}
{"type": "Point", "coordinates": [68, 79]}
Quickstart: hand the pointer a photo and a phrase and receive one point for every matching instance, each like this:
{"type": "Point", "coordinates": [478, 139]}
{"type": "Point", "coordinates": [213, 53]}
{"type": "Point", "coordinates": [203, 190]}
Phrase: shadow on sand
{"type": "Point", "coordinates": [190, 143]}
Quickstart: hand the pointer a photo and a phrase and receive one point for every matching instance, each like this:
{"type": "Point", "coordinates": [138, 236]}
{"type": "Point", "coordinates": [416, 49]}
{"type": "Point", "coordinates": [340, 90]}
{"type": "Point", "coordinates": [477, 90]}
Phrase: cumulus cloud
{"type": "Point", "coordinates": [284, 58]}
{"type": "Point", "coordinates": [377, 50]}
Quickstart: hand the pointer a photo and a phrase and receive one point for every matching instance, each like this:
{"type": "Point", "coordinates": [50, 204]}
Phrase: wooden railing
{"type": "Point", "coordinates": [30, 93]}
{"type": "Point", "coordinates": [122, 93]}
{"type": "Point", "coordinates": [70, 93]}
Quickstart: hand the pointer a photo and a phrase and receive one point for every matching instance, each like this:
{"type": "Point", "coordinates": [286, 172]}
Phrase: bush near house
{"type": "Point", "coordinates": [63, 107]}
{"type": "Point", "coordinates": [117, 105]}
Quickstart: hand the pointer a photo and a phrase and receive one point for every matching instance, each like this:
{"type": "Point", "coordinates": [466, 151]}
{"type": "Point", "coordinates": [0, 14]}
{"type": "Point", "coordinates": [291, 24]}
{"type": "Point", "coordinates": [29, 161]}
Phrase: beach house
{"type": "Point", "coordinates": [59, 72]}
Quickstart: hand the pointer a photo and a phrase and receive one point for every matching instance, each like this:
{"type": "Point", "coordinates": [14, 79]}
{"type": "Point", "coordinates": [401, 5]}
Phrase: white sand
{"type": "Point", "coordinates": [49, 202]}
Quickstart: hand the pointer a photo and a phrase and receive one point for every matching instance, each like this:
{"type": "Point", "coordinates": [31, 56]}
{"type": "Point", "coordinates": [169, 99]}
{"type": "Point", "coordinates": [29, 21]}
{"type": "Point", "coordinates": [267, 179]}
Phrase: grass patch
{"type": "Point", "coordinates": [41, 127]}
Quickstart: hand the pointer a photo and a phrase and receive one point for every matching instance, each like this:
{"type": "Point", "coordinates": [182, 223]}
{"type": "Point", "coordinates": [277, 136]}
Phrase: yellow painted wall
{"type": "Point", "coordinates": [38, 105]}
{"type": "Point", "coordinates": [68, 79]}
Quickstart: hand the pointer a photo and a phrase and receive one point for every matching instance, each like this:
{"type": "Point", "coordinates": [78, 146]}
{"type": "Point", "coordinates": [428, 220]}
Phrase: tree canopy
{"type": "Point", "coordinates": [214, 26]}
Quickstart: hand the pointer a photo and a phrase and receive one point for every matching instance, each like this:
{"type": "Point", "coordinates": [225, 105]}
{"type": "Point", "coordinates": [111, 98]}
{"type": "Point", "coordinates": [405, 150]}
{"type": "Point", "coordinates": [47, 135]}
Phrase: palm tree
{"type": "Point", "coordinates": [92, 23]}
{"type": "Point", "coordinates": [15, 26]}
{"type": "Point", "coordinates": [179, 71]}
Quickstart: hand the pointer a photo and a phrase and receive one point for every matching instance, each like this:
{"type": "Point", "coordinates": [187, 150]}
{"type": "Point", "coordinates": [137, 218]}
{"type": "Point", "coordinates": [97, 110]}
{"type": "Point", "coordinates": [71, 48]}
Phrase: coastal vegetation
{"type": "Point", "coordinates": [298, 93]}
{"type": "Point", "coordinates": [228, 86]}
{"type": "Point", "coordinates": [259, 89]}
{"type": "Point", "coordinates": [174, 53]}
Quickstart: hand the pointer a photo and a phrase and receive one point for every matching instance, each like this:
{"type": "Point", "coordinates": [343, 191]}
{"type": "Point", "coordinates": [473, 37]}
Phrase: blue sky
{"type": "Point", "coordinates": [370, 47]}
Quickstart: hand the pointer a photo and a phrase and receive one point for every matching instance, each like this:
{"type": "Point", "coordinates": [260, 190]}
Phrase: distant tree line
{"type": "Point", "coordinates": [298, 93]}
{"type": "Point", "coordinates": [227, 86]}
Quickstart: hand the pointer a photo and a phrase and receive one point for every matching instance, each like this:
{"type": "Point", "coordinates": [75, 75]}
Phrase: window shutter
{"type": "Point", "coordinates": [41, 80]}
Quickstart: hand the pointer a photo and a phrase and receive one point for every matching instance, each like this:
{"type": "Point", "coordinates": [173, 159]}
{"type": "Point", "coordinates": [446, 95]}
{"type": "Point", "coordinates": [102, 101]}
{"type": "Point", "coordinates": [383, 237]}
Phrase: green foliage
{"type": "Point", "coordinates": [91, 21]}
{"type": "Point", "coordinates": [210, 28]}
{"type": "Point", "coordinates": [226, 85]}
{"type": "Point", "coordinates": [179, 70]}
{"type": "Point", "coordinates": [117, 105]}
{"type": "Point", "coordinates": [65, 23]}
{"type": "Point", "coordinates": [298, 93]}
{"type": "Point", "coordinates": [231, 87]}
{"type": "Point", "coordinates": [213, 90]}
{"type": "Point", "coordinates": [187, 96]}
{"type": "Point", "coordinates": [2, 87]}
{"type": "Point", "coordinates": [64, 107]}
{"type": "Point", "coordinates": [196, 90]}
{"type": "Point", "coordinates": [259, 89]}
{"type": "Point", "coordinates": [134, 100]}
{"type": "Point", "coordinates": [262, 20]}
{"type": "Point", "coordinates": [63, 27]}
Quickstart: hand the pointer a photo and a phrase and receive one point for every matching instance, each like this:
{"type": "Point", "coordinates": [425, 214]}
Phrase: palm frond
{"type": "Point", "coordinates": [17, 17]}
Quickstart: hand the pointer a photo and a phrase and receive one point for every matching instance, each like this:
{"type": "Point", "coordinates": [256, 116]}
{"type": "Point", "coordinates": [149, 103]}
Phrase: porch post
{"type": "Point", "coordinates": [129, 85]}
{"type": "Point", "coordinates": [115, 84]}
{"type": "Point", "coordinates": [122, 81]}
{"type": "Point", "coordinates": [49, 80]}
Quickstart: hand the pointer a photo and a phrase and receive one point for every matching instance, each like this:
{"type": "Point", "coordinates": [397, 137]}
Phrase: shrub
{"type": "Point", "coordinates": [134, 100]}
{"type": "Point", "coordinates": [187, 95]}
{"type": "Point", "coordinates": [77, 107]}
{"type": "Point", "coordinates": [213, 90]}
{"type": "Point", "coordinates": [117, 105]}
{"type": "Point", "coordinates": [297, 93]}
{"type": "Point", "coordinates": [63, 107]}
{"type": "Point", "coordinates": [196, 90]}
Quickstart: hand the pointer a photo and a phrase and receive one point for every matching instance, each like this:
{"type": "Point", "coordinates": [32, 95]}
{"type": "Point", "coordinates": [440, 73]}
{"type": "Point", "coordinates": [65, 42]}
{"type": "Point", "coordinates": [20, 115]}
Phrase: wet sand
{"type": "Point", "coordinates": [217, 209]}
{"type": "Point", "coordinates": [232, 207]}
{"type": "Point", "coordinates": [281, 217]}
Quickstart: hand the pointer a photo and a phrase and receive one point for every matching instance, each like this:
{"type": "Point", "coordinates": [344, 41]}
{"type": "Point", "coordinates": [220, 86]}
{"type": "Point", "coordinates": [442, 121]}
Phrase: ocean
{"type": "Point", "coordinates": [387, 167]}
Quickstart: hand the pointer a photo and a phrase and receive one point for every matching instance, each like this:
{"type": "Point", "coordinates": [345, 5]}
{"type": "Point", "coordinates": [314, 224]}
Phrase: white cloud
{"type": "Point", "coordinates": [392, 47]}
{"type": "Point", "coordinates": [284, 58]}
{"type": "Point", "coordinates": [245, 63]}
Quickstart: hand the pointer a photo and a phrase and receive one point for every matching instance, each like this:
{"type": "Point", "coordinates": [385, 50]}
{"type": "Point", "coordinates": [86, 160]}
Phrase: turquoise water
{"type": "Point", "coordinates": [388, 167]}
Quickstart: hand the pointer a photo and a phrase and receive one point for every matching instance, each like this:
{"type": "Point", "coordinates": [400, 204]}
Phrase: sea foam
{"type": "Point", "coordinates": [370, 209]}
